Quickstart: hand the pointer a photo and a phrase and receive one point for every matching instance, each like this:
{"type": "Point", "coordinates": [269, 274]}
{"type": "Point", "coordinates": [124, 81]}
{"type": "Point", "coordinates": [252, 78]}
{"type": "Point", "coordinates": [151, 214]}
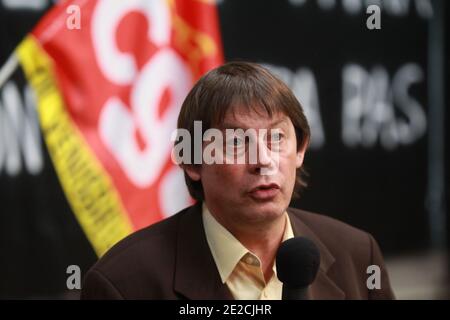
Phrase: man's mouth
{"type": "Point", "coordinates": [265, 191]}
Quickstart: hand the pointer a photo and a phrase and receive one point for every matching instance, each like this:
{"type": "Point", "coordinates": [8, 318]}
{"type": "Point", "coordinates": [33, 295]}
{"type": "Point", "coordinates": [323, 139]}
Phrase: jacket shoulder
{"type": "Point", "coordinates": [353, 249]}
{"type": "Point", "coordinates": [330, 230]}
{"type": "Point", "coordinates": [145, 240]}
{"type": "Point", "coordinates": [142, 261]}
{"type": "Point", "coordinates": [350, 246]}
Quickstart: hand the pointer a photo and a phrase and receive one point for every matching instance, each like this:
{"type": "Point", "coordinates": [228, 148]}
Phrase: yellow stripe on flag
{"type": "Point", "coordinates": [88, 187]}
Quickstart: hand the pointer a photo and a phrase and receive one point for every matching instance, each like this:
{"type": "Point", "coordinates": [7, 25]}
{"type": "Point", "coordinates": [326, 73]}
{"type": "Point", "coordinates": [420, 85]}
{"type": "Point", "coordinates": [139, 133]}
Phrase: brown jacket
{"type": "Point", "coordinates": [171, 260]}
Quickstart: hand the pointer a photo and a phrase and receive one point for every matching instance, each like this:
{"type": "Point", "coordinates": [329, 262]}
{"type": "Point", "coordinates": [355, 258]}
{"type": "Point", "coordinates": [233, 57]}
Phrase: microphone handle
{"type": "Point", "coordinates": [299, 293]}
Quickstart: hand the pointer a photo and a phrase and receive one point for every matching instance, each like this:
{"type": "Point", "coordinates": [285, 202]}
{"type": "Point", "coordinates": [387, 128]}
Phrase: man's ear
{"type": "Point", "coordinates": [193, 171]}
{"type": "Point", "coordinates": [301, 154]}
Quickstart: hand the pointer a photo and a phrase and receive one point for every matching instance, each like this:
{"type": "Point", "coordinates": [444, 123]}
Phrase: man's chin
{"type": "Point", "coordinates": [267, 211]}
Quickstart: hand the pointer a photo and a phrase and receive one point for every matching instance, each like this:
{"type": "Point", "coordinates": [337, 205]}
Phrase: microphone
{"type": "Point", "coordinates": [297, 262]}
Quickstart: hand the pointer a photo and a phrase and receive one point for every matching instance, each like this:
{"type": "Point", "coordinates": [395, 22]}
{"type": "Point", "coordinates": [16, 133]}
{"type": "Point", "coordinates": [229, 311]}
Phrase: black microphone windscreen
{"type": "Point", "coordinates": [297, 262]}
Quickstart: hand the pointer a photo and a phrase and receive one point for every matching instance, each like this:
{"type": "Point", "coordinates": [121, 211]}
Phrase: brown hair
{"type": "Point", "coordinates": [248, 85]}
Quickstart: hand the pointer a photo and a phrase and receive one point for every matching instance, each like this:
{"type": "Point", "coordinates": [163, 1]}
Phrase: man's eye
{"type": "Point", "coordinates": [276, 137]}
{"type": "Point", "coordinates": [236, 142]}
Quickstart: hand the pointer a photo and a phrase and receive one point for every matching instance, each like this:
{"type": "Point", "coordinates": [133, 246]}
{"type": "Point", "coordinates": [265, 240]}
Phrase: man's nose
{"type": "Point", "coordinates": [264, 157]}
{"type": "Point", "coordinates": [265, 164]}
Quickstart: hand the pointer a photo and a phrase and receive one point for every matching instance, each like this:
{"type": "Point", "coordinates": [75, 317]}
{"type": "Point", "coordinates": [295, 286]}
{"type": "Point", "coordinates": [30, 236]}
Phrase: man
{"type": "Point", "coordinates": [224, 246]}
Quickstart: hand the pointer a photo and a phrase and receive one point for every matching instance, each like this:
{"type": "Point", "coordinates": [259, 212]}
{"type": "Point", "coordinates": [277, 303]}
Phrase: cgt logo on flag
{"type": "Point", "coordinates": [109, 95]}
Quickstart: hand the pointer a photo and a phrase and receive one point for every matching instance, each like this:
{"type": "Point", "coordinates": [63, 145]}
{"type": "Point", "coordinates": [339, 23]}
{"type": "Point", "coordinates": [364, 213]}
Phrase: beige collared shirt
{"type": "Point", "coordinates": [239, 268]}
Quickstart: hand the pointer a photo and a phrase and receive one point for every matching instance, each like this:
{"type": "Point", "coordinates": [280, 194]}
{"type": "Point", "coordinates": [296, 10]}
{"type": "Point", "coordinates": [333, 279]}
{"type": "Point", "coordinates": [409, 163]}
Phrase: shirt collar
{"type": "Point", "coordinates": [226, 250]}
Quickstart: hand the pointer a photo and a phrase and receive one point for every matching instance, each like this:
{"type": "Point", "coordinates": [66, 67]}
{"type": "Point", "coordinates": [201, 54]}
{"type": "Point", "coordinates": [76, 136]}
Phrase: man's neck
{"type": "Point", "coordinates": [264, 243]}
{"type": "Point", "coordinates": [261, 239]}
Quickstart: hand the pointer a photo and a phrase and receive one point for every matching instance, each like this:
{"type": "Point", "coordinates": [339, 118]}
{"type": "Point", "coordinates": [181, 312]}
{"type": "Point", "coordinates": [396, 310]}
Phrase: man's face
{"type": "Point", "coordinates": [256, 191]}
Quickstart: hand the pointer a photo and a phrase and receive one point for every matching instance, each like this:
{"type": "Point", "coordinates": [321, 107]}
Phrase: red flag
{"type": "Point", "coordinates": [110, 77]}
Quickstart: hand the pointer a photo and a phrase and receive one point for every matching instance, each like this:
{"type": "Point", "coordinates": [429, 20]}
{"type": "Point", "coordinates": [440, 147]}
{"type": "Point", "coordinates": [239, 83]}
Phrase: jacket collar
{"type": "Point", "coordinates": [323, 287]}
{"type": "Point", "coordinates": [196, 274]}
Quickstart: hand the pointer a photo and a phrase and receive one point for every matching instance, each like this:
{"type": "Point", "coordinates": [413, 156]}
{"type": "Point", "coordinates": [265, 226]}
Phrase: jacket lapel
{"type": "Point", "coordinates": [196, 274]}
{"type": "Point", "coordinates": [323, 287]}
